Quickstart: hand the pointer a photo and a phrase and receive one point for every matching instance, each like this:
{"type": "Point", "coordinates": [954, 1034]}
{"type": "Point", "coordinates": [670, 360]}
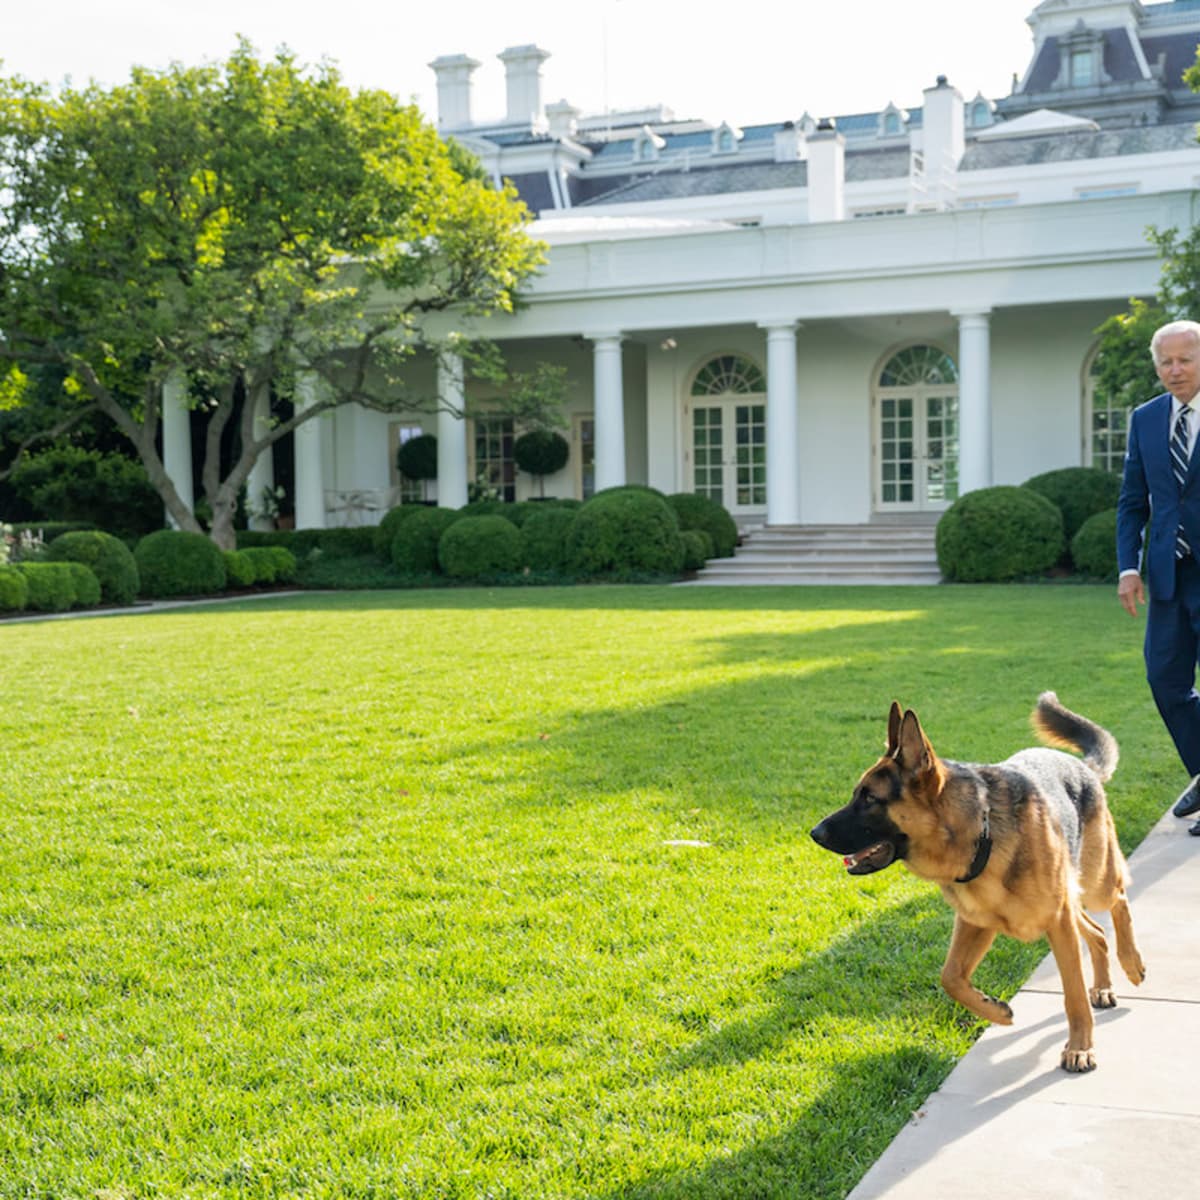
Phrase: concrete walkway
{"type": "Point", "coordinates": [1008, 1122]}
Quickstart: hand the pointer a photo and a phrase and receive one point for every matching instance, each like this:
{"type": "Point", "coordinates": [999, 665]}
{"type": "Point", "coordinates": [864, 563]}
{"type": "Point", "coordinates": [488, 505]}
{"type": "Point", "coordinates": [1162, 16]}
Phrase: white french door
{"type": "Point", "coordinates": [916, 448]}
{"type": "Point", "coordinates": [727, 458]}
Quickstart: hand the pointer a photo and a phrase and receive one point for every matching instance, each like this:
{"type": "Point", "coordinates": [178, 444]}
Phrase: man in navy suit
{"type": "Point", "coordinates": [1161, 484]}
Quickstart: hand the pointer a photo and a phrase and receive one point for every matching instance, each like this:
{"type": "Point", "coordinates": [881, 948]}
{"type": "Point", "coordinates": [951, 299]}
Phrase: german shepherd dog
{"type": "Point", "coordinates": [1021, 847]}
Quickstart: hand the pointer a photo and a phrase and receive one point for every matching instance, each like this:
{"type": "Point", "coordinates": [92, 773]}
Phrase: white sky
{"type": "Point", "coordinates": [747, 62]}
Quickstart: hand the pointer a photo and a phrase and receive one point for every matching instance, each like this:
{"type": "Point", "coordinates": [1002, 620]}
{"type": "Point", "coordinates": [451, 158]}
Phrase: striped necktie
{"type": "Point", "coordinates": [1179, 464]}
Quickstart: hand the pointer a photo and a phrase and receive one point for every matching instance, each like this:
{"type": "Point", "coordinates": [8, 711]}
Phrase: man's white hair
{"type": "Point", "coordinates": [1191, 328]}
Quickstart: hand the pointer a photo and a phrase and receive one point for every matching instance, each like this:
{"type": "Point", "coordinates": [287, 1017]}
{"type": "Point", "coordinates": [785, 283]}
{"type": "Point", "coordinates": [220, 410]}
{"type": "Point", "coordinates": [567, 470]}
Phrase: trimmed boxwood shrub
{"type": "Point", "coordinates": [998, 533]}
{"type": "Point", "coordinates": [1094, 547]}
{"type": "Point", "coordinates": [346, 541]}
{"type": "Point", "coordinates": [697, 548]}
{"type": "Point", "coordinates": [625, 529]}
{"type": "Point", "coordinates": [109, 558]}
{"type": "Point", "coordinates": [415, 546]}
{"type": "Point", "coordinates": [51, 585]}
{"type": "Point", "coordinates": [174, 562]}
{"type": "Point", "coordinates": [1079, 492]}
{"type": "Point", "coordinates": [272, 564]}
{"type": "Point", "coordinates": [239, 568]}
{"type": "Point", "coordinates": [87, 586]}
{"type": "Point", "coordinates": [544, 537]}
{"type": "Point", "coordinates": [475, 546]}
{"type": "Point", "coordinates": [14, 590]}
{"type": "Point", "coordinates": [699, 512]}
{"type": "Point", "coordinates": [385, 532]}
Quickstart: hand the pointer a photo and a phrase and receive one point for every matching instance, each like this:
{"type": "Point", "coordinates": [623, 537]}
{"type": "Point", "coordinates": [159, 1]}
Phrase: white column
{"type": "Point", "coordinates": [310, 474]}
{"type": "Point", "coordinates": [783, 426]}
{"type": "Point", "coordinates": [262, 474]}
{"type": "Point", "coordinates": [609, 410]}
{"type": "Point", "coordinates": [451, 434]}
{"type": "Point", "coordinates": [974, 401]}
{"type": "Point", "coordinates": [177, 438]}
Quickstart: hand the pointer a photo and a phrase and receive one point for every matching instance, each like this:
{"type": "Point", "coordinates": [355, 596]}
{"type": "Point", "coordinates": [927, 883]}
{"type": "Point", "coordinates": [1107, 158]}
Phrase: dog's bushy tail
{"type": "Point", "coordinates": [1059, 726]}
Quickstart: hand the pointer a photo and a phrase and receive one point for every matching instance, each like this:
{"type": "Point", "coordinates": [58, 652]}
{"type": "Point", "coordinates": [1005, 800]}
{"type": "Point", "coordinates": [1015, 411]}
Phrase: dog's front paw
{"type": "Point", "coordinates": [998, 1012]}
{"type": "Point", "coordinates": [1134, 968]}
{"type": "Point", "coordinates": [1102, 998]}
{"type": "Point", "coordinates": [1078, 1061]}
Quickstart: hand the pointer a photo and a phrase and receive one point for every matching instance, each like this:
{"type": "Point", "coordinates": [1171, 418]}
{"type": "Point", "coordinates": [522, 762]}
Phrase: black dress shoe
{"type": "Point", "coordinates": [1189, 802]}
{"type": "Point", "coordinates": [1194, 830]}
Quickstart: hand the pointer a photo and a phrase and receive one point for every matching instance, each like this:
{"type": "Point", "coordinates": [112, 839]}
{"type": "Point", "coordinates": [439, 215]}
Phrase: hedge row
{"type": "Point", "coordinates": [621, 532]}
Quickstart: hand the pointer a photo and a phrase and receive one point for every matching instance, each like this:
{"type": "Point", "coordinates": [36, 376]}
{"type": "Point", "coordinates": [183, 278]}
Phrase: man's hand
{"type": "Point", "coordinates": [1131, 593]}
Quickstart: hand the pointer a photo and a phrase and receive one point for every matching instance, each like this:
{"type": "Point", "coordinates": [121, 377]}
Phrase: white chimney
{"type": "Point", "coordinates": [826, 173]}
{"type": "Point", "coordinates": [563, 118]}
{"type": "Point", "coordinates": [943, 139]}
{"type": "Point", "coordinates": [523, 80]}
{"type": "Point", "coordinates": [454, 89]}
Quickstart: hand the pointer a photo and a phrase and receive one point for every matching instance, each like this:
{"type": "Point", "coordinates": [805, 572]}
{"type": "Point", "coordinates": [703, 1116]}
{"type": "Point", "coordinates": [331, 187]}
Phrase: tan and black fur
{"type": "Point", "coordinates": [1021, 847]}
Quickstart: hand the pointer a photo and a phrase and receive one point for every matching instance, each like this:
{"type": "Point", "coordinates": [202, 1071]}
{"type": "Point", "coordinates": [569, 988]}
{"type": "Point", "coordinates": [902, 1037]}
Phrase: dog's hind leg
{"type": "Point", "coordinates": [968, 945]}
{"type": "Point", "coordinates": [1101, 993]}
{"type": "Point", "coordinates": [1127, 952]}
{"type": "Point", "coordinates": [1063, 934]}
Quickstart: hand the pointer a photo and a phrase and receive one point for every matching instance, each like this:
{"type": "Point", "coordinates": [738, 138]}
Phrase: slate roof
{"type": "Point", "coordinates": [1067, 147]}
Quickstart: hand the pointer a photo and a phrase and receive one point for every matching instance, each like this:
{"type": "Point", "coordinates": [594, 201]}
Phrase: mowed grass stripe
{"type": "Point", "coordinates": [371, 895]}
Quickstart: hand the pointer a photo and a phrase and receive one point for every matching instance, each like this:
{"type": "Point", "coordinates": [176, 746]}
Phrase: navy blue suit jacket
{"type": "Point", "coordinates": [1149, 491]}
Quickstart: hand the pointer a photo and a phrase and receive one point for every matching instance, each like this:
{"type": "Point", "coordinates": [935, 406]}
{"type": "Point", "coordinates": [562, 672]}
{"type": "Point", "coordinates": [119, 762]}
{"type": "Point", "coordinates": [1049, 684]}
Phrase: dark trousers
{"type": "Point", "coordinates": [1172, 644]}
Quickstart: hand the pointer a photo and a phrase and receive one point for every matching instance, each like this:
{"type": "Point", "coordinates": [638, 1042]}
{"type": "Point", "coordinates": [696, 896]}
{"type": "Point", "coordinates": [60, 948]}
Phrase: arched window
{"type": "Point", "coordinates": [729, 374]}
{"type": "Point", "coordinates": [918, 364]}
{"type": "Point", "coordinates": [916, 431]}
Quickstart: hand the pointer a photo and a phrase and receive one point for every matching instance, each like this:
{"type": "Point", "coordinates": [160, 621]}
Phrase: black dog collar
{"type": "Point", "coordinates": [983, 851]}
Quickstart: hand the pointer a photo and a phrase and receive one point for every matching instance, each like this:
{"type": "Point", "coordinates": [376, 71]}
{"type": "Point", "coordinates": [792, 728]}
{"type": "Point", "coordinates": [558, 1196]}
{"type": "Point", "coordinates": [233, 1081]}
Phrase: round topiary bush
{"type": "Point", "coordinates": [239, 568]}
{"type": "Point", "coordinates": [1094, 547]}
{"type": "Point", "coordinates": [415, 546]}
{"type": "Point", "coordinates": [85, 583]}
{"type": "Point", "coordinates": [1079, 492]}
{"type": "Point", "coordinates": [541, 452]}
{"type": "Point", "coordinates": [174, 562]}
{"type": "Point", "coordinates": [417, 458]}
{"type": "Point", "coordinates": [385, 532]}
{"type": "Point", "coordinates": [699, 512]}
{"type": "Point", "coordinates": [625, 529]}
{"type": "Point", "coordinates": [108, 557]}
{"type": "Point", "coordinates": [475, 546]}
{"type": "Point", "coordinates": [262, 563]}
{"type": "Point", "coordinates": [14, 591]}
{"type": "Point", "coordinates": [697, 548]}
{"type": "Point", "coordinates": [998, 533]}
{"type": "Point", "coordinates": [284, 562]}
{"type": "Point", "coordinates": [51, 585]}
{"type": "Point", "coordinates": [544, 537]}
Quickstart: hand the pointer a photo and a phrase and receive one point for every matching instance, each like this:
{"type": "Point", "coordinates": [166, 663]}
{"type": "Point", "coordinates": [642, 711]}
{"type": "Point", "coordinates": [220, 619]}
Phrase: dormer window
{"type": "Point", "coordinates": [979, 113]}
{"type": "Point", "coordinates": [647, 145]}
{"type": "Point", "coordinates": [891, 122]}
{"type": "Point", "coordinates": [1083, 67]}
{"type": "Point", "coordinates": [725, 139]}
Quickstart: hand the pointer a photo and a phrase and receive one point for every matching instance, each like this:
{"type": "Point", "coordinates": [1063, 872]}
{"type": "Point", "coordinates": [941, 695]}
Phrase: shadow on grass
{"type": "Point", "coordinates": [873, 1094]}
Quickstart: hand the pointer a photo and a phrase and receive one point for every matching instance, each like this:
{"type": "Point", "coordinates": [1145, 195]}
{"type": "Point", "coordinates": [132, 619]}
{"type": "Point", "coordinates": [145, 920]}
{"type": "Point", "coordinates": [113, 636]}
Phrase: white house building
{"type": "Point", "coordinates": [843, 320]}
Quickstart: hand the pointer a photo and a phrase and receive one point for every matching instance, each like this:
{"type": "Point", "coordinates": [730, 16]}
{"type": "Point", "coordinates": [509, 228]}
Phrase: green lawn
{"type": "Point", "coordinates": [372, 895]}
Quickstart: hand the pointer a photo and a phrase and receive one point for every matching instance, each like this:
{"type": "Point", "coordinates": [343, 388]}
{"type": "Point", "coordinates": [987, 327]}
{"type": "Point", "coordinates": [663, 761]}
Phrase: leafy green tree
{"type": "Point", "coordinates": [249, 224]}
{"type": "Point", "coordinates": [1124, 368]}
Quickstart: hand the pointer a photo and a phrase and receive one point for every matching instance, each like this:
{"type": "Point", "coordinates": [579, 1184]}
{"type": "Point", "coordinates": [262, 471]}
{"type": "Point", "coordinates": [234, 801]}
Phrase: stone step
{"type": "Point", "coordinates": [829, 554]}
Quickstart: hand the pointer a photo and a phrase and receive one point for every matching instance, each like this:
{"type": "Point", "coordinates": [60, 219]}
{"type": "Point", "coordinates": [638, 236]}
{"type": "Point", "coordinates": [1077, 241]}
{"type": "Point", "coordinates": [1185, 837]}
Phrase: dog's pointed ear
{"type": "Point", "coordinates": [893, 743]}
{"type": "Point", "coordinates": [915, 752]}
